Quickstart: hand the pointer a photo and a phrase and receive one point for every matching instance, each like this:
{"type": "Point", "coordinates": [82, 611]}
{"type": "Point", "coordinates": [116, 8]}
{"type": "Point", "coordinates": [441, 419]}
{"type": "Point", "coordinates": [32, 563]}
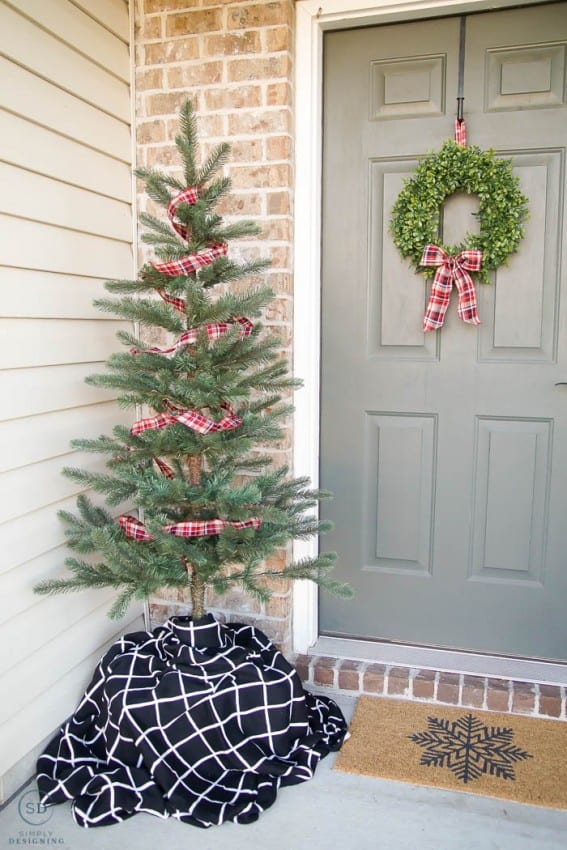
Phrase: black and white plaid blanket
{"type": "Point", "coordinates": [198, 721]}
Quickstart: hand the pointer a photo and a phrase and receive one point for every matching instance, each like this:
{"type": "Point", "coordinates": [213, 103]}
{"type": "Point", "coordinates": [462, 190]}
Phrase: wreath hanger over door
{"type": "Point", "coordinates": [416, 218]}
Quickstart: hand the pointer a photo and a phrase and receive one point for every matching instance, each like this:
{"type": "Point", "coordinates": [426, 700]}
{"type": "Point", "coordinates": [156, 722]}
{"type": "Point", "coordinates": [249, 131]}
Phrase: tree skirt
{"type": "Point", "coordinates": [198, 721]}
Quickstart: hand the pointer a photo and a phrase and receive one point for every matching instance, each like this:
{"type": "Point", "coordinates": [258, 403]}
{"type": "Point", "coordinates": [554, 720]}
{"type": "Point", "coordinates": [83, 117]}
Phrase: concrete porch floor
{"type": "Point", "coordinates": [333, 810]}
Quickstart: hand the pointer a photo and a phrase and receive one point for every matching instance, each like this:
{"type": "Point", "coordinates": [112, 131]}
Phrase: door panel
{"type": "Point", "coordinates": [447, 451]}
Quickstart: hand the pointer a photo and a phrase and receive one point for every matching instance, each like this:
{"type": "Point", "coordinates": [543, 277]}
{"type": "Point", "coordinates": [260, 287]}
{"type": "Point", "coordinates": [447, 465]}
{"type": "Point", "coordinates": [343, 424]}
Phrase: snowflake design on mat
{"type": "Point", "coordinates": [469, 748]}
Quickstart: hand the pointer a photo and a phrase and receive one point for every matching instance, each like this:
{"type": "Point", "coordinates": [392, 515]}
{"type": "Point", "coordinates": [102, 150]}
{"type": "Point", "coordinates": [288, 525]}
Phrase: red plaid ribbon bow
{"type": "Point", "coordinates": [214, 331]}
{"type": "Point", "coordinates": [136, 530]}
{"type": "Point", "coordinates": [188, 196]}
{"type": "Point", "coordinates": [191, 418]}
{"type": "Point", "coordinates": [451, 270]}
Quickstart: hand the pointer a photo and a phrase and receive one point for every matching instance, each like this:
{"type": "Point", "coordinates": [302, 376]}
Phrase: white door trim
{"type": "Point", "coordinates": [313, 18]}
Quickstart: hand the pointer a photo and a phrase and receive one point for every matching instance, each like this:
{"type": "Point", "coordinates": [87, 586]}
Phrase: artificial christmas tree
{"type": "Point", "coordinates": [199, 720]}
{"type": "Point", "coordinates": [213, 508]}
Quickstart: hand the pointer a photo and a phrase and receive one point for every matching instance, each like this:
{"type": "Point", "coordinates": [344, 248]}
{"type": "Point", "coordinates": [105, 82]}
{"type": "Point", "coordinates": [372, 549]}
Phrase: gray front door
{"type": "Point", "coordinates": [446, 452]}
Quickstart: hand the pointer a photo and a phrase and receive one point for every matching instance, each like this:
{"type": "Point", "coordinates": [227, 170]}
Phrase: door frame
{"type": "Point", "coordinates": [313, 19]}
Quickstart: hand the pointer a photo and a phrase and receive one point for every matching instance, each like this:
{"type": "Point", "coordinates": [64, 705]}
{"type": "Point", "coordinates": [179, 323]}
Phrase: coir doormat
{"type": "Point", "coordinates": [482, 752]}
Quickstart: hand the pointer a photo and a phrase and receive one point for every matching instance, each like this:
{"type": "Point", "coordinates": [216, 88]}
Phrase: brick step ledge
{"type": "Point", "coordinates": [354, 678]}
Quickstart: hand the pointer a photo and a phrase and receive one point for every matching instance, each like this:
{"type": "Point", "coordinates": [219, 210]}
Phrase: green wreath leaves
{"type": "Point", "coordinates": [503, 209]}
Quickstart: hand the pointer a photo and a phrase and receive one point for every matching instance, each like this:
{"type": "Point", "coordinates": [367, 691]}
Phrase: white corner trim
{"type": "Point", "coordinates": [313, 17]}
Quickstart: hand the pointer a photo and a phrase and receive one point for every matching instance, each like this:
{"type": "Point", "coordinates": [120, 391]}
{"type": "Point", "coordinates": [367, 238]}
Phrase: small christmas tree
{"type": "Point", "coordinates": [213, 508]}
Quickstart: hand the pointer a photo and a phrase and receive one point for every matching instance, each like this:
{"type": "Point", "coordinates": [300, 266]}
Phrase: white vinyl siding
{"type": "Point", "coordinates": [65, 228]}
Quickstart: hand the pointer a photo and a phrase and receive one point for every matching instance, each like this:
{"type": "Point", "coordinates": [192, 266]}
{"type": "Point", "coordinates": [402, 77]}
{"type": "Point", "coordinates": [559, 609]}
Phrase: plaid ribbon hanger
{"type": "Point", "coordinates": [460, 126]}
{"type": "Point", "coordinates": [451, 270]}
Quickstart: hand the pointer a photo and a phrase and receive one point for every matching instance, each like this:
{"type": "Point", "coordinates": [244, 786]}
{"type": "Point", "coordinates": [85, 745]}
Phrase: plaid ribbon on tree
{"type": "Point", "coordinates": [164, 468]}
{"type": "Point", "coordinates": [192, 262]}
{"type": "Point", "coordinates": [191, 419]}
{"type": "Point", "coordinates": [451, 270]}
{"type": "Point", "coordinates": [177, 303]}
{"type": "Point", "coordinates": [188, 196]}
{"type": "Point", "coordinates": [461, 132]}
{"type": "Point", "coordinates": [136, 530]}
{"type": "Point", "coordinates": [214, 331]}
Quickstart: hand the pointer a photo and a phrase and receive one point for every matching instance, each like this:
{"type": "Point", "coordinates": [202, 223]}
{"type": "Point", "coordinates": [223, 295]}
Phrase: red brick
{"type": "Point", "coordinates": [278, 94]}
{"type": "Point", "coordinates": [243, 70]}
{"type": "Point", "coordinates": [281, 259]}
{"type": "Point", "coordinates": [241, 97]}
{"type": "Point", "coordinates": [523, 698]}
{"type": "Point", "coordinates": [279, 203]}
{"type": "Point", "coordinates": [260, 15]}
{"type": "Point", "coordinates": [261, 176]}
{"type": "Point", "coordinates": [281, 282]}
{"type": "Point", "coordinates": [448, 688]}
{"type": "Point", "coordinates": [165, 52]}
{"type": "Point", "coordinates": [278, 606]}
{"type": "Point", "coordinates": [424, 684]}
{"type": "Point", "coordinates": [497, 694]}
{"type": "Point", "coordinates": [398, 680]}
{"type": "Point", "coordinates": [373, 679]}
{"type": "Point", "coordinates": [278, 38]}
{"type": "Point", "coordinates": [324, 670]}
{"type": "Point", "coordinates": [150, 131]}
{"type": "Point", "coordinates": [246, 150]}
{"type": "Point", "coordinates": [167, 5]}
{"type": "Point", "coordinates": [241, 204]}
{"type": "Point", "coordinates": [165, 103]}
{"type": "Point", "coordinates": [236, 598]}
{"type": "Point", "coordinates": [302, 666]}
{"type": "Point", "coordinates": [151, 27]}
{"type": "Point", "coordinates": [279, 147]}
{"type": "Point", "coordinates": [349, 675]}
{"type": "Point", "coordinates": [232, 44]}
{"type": "Point", "coordinates": [149, 79]}
{"type": "Point", "coordinates": [259, 122]}
{"type": "Point", "coordinates": [473, 691]}
{"type": "Point", "coordinates": [186, 76]}
{"type": "Point", "coordinates": [196, 21]}
{"type": "Point", "coordinates": [157, 156]}
{"type": "Point", "coordinates": [550, 700]}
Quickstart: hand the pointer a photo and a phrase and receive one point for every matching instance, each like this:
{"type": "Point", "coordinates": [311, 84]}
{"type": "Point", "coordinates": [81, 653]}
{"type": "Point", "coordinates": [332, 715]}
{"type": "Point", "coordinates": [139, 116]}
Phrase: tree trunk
{"type": "Point", "coordinates": [198, 588]}
{"type": "Point", "coordinates": [198, 596]}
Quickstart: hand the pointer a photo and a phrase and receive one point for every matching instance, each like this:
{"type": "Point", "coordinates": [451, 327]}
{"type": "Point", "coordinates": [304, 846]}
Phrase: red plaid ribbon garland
{"type": "Point", "coordinates": [164, 468]}
{"type": "Point", "coordinates": [192, 262]}
{"type": "Point", "coordinates": [136, 530]}
{"type": "Point", "coordinates": [191, 419]}
{"type": "Point", "coordinates": [451, 270]}
{"type": "Point", "coordinates": [178, 303]}
{"type": "Point", "coordinates": [461, 132]}
{"type": "Point", "coordinates": [214, 331]}
{"type": "Point", "coordinates": [188, 196]}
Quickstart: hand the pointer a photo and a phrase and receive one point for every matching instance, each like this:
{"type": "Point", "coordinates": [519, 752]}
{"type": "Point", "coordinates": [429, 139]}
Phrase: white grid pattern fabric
{"type": "Point", "coordinates": [199, 721]}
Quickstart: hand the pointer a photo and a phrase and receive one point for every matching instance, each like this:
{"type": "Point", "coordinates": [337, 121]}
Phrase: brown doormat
{"type": "Point", "coordinates": [498, 755]}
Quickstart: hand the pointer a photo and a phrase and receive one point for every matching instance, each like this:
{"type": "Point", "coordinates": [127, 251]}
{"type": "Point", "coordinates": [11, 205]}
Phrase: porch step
{"type": "Point", "coordinates": [353, 678]}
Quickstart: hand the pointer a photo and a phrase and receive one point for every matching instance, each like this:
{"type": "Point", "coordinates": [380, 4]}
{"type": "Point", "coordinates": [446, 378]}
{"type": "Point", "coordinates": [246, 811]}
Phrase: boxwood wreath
{"type": "Point", "coordinates": [503, 209]}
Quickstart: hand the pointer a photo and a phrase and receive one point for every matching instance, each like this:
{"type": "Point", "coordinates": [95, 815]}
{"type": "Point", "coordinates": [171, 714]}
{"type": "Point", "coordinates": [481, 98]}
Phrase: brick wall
{"type": "Point", "coordinates": [234, 60]}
